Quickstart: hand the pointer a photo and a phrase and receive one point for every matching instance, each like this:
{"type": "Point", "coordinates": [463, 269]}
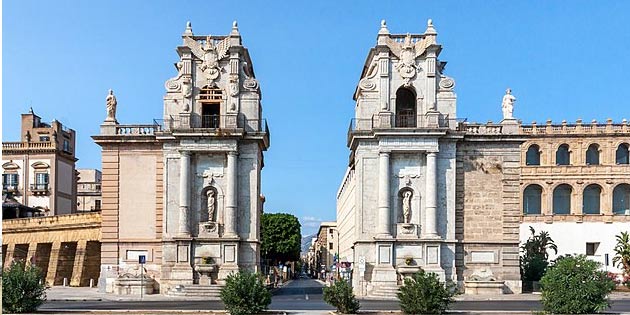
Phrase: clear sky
{"type": "Point", "coordinates": [563, 60]}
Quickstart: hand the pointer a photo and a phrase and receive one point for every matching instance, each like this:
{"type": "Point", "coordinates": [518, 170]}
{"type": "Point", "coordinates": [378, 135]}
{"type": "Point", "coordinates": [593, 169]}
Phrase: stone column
{"type": "Point", "coordinates": [79, 262]}
{"type": "Point", "coordinates": [383, 196]}
{"type": "Point", "coordinates": [184, 194]}
{"type": "Point", "coordinates": [52, 263]}
{"type": "Point", "coordinates": [32, 252]}
{"type": "Point", "coordinates": [430, 224]}
{"type": "Point", "coordinates": [231, 194]}
{"type": "Point", "coordinates": [8, 257]}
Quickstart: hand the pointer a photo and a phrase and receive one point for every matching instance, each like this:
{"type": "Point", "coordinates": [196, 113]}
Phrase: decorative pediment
{"type": "Point", "coordinates": [40, 165]}
{"type": "Point", "coordinates": [10, 166]}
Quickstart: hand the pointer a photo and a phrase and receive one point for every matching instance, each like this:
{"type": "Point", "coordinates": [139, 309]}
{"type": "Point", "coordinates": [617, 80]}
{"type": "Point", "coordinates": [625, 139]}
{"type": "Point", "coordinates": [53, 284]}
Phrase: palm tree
{"type": "Point", "coordinates": [622, 252]}
{"type": "Point", "coordinates": [539, 244]}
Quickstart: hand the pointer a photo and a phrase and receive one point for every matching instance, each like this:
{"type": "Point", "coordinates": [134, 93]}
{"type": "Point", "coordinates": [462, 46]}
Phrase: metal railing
{"type": "Point", "coordinates": [39, 187]}
{"type": "Point", "coordinates": [401, 122]}
{"type": "Point", "coordinates": [10, 188]}
{"type": "Point", "coordinates": [406, 121]}
{"type": "Point", "coordinates": [199, 123]}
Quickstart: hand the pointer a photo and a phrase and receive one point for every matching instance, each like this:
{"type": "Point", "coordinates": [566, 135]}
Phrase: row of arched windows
{"type": "Point", "coordinates": [563, 155]}
{"type": "Point", "coordinates": [591, 199]}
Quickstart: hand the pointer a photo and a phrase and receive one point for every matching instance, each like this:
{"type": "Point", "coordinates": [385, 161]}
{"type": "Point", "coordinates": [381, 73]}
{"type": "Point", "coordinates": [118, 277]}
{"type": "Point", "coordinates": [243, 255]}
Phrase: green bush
{"type": "Point", "coordinates": [574, 285]}
{"type": "Point", "coordinates": [245, 293]}
{"type": "Point", "coordinates": [341, 297]}
{"type": "Point", "coordinates": [424, 294]}
{"type": "Point", "coordinates": [22, 288]}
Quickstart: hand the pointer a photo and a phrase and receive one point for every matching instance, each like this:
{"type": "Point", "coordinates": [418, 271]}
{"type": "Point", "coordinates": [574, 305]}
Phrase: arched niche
{"type": "Point", "coordinates": [214, 195]}
{"type": "Point", "coordinates": [407, 205]}
{"type": "Point", "coordinates": [406, 108]}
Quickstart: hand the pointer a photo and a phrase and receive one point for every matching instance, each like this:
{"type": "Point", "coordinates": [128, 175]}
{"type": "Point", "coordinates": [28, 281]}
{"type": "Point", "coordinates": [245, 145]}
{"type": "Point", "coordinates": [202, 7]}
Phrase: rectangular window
{"type": "Point", "coordinates": [330, 245]}
{"type": "Point", "coordinates": [97, 204]}
{"type": "Point", "coordinates": [44, 138]}
{"type": "Point", "coordinates": [66, 146]}
{"type": "Point", "coordinates": [10, 181]}
{"type": "Point", "coordinates": [591, 249]}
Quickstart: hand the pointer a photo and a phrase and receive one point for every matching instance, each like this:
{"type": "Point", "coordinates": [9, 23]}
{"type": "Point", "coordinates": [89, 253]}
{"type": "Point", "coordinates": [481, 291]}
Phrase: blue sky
{"type": "Point", "coordinates": [563, 60]}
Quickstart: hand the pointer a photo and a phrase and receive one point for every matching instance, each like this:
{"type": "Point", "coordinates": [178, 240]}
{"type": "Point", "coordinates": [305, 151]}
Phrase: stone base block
{"type": "Point", "coordinates": [224, 271]}
{"type": "Point", "coordinates": [484, 287]}
{"type": "Point", "coordinates": [133, 286]}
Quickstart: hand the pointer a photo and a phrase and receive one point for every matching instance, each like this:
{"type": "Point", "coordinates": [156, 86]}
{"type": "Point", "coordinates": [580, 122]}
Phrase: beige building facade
{"type": "Point", "coordinates": [39, 170]}
{"type": "Point", "coordinates": [326, 248]}
{"type": "Point", "coordinates": [89, 190]}
{"type": "Point", "coordinates": [575, 184]}
{"type": "Point", "coordinates": [185, 191]}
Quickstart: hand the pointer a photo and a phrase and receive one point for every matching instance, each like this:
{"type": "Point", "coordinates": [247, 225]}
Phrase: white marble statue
{"type": "Point", "coordinates": [211, 203]}
{"type": "Point", "coordinates": [111, 103]}
{"type": "Point", "coordinates": [508, 104]}
{"type": "Point", "coordinates": [406, 206]}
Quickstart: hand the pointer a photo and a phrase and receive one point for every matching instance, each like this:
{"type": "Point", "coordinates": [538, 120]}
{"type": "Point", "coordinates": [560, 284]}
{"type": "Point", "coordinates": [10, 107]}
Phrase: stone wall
{"type": "Point", "coordinates": [487, 219]}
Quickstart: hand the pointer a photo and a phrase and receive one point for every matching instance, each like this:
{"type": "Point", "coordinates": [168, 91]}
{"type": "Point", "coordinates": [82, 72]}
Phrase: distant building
{"type": "Point", "coordinates": [39, 170]}
{"type": "Point", "coordinates": [89, 190]}
{"type": "Point", "coordinates": [326, 247]}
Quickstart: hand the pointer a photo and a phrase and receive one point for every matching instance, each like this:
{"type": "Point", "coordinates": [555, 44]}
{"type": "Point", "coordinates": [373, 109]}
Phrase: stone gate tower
{"type": "Point", "coordinates": [185, 191]}
{"type": "Point", "coordinates": [404, 203]}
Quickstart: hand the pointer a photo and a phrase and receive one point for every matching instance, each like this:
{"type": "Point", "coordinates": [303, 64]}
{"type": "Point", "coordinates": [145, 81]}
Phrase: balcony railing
{"type": "Point", "coordinates": [137, 130]}
{"type": "Point", "coordinates": [39, 187]}
{"type": "Point", "coordinates": [200, 123]}
{"type": "Point", "coordinates": [406, 121]}
{"type": "Point", "coordinates": [402, 121]}
{"type": "Point", "coordinates": [10, 188]}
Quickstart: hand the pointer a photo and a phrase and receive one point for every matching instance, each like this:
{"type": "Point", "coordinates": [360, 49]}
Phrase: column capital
{"type": "Point", "coordinates": [185, 152]}
{"type": "Point", "coordinates": [384, 153]}
{"type": "Point", "coordinates": [432, 152]}
{"type": "Point", "coordinates": [232, 153]}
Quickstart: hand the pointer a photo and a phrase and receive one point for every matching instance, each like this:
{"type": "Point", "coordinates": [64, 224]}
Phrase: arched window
{"type": "Point", "coordinates": [532, 157]}
{"type": "Point", "coordinates": [563, 156]}
{"type": "Point", "coordinates": [592, 154]}
{"type": "Point", "coordinates": [405, 108]}
{"type": "Point", "coordinates": [622, 156]}
{"type": "Point", "coordinates": [532, 199]}
{"type": "Point", "coordinates": [591, 199]}
{"type": "Point", "coordinates": [562, 199]}
{"type": "Point", "coordinates": [210, 98]}
{"type": "Point", "coordinates": [621, 199]}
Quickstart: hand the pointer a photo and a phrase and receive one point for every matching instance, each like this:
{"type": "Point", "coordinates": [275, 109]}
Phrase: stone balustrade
{"type": "Point", "coordinates": [578, 127]}
{"type": "Point", "coordinates": [137, 130]}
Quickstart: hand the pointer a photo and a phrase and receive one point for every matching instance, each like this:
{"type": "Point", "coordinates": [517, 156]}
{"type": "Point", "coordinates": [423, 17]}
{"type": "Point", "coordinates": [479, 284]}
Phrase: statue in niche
{"type": "Point", "coordinates": [406, 206]}
{"type": "Point", "coordinates": [111, 103]}
{"type": "Point", "coordinates": [508, 104]}
{"type": "Point", "coordinates": [211, 204]}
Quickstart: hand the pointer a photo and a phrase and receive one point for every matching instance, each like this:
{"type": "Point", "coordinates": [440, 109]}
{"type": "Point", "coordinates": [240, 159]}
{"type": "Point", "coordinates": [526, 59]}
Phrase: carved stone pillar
{"type": "Point", "coordinates": [79, 263]}
{"type": "Point", "coordinates": [184, 194]}
{"type": "Point", "coordinates": [383, 196]}
{"type": "Point", "coordinates": [430, 224]}
{"type": "Point", "coordinates": [231, 195]}
{"type": "Point", "coordinates": [53, 261]}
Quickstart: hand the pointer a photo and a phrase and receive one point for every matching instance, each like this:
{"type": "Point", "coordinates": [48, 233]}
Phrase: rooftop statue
{"type": "Point", "coordinates": [508, 104]}
{"type": "Point", "coordinates": [110, 102]}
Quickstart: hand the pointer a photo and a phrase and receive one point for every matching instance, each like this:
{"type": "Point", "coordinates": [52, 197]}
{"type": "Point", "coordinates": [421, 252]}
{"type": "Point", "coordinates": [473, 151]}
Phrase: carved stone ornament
{"type": "Point", "coordinates": [408, 228]}
{"type": "Point", "coordinates": [233, 86]}
{"type": "Point", "coordinates": [447, 83]}
{"type": "Point", "coordinates": [209, 54]}
{"type": "Point", "coordinates": [366, 83]}
{"type": "Point", "coordinates": [250, 84]}
{"type": "Point", "coordinates": [407, 52]}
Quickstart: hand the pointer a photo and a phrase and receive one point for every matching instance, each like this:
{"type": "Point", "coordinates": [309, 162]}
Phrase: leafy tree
{"type": "Point", "coordinates": [280, 237]}
{"type": "Point", "coordinates": [622, 254]}
{"type": "Point", "coordinates": [575, 285]}
{"type": "Point", "coordinates": [23, 291]}
{"type": "Point", "coordinates": [534, 260]}
{"type": "Point", "coordinates": [424, 294]}
{"type": "Point", "coordinates": [245, 293]}
{"type": "Point", "coordinates": [341, 297]}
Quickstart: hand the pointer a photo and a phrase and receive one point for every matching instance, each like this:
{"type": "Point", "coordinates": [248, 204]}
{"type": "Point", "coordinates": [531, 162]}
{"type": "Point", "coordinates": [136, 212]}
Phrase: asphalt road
{"type": "Point", "coordinates": [299, 295]}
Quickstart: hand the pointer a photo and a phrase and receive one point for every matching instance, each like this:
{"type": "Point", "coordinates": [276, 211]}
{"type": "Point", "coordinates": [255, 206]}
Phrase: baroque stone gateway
{"type": "Point", "coordinates": [423, 189]}
{"type": "Point", "coordinates": [173, 189]}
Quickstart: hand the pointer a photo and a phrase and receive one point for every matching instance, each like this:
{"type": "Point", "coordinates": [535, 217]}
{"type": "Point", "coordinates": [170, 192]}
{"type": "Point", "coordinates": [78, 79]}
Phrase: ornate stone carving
{"type": "Point", "coordinates": [210, 54]}
{"type": "Point", "coordinates": [111, 103]}
{"type": "Point", "coordinates": [447, 83]}
{"type": "Point", "coordinates": [508, 104]}
{"type": "Point", "coordinates": [407, 52]}
{"type": "Point", "coordinates": [233, 86]}
{"type": "Point", "coordinates": [367, 83]}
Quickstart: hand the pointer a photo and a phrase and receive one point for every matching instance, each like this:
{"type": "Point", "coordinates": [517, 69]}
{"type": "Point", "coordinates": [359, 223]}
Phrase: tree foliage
{"type": "Point", "coordinates": [245, 293]}
{"type": "Point", "coordinates": [575, 285]}
{"type": "Point", "coordinates": [280, 237]}
{"type": "Point", "coordinates": [340, 295]}
{"type": "Point", "coordinates": [424, 294]}
{"type": "Point", "coordinates": [622, 254]}
{"type": "Point", "coordinates": [23, 291]}
{"type": "Point", "coordinates": [534, 260]}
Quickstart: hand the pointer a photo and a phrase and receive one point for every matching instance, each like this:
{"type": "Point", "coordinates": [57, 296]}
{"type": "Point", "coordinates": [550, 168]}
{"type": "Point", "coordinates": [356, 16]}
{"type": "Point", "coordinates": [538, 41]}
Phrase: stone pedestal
{"type": "Point", "coordinates": [383, 120]}
{"type": "Point", "coordinates": [134, 285]}
{"type": "Point", "coordinates": [209, 229]}
{"type": "Point", "coordinates": [231, 121]}
{"type": "Point", "coordinates": [108, 128]}
{"type": "Point", "coordinates": [207, 273]}
{"type": "Point", "coordinates": [433, 119]}
{"type": "Point", "coordinates": [407, 230]}
{"type": "Point", "coordinates": [483, 287]}
{"type": "Point", "coordinates": [509, 126]}
{"type": "Point", "coordinates": [384, 276]}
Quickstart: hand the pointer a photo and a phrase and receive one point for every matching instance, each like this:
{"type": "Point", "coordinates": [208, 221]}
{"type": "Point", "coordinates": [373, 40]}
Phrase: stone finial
{"type": "Point", "coordinates": [430, 29]}
{"type": "Point", "coordinates": [234, 28]}
{"type": "Point", "coordinates": [188, 30]}
{"type": "Point", "coordinates": [383, 30]}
